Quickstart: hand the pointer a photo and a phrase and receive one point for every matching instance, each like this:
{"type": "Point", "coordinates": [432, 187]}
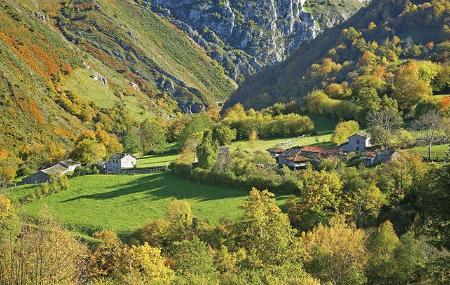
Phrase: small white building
{"type": "Point", "coordinates": [120, 161]}
{"type": "Point", "coordinates": [357, 143]}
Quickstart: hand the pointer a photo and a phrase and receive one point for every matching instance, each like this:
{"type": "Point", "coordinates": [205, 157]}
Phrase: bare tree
{"type": "Point", "coordinates": [381, 124]}
{"type": "Point", "coordinates": [432, 126]}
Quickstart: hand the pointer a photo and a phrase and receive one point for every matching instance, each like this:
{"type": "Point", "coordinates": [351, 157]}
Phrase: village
{"type": "Point", "coordinates": [299, 157]}
{"type": "Point", "coordinates": [295, 158]}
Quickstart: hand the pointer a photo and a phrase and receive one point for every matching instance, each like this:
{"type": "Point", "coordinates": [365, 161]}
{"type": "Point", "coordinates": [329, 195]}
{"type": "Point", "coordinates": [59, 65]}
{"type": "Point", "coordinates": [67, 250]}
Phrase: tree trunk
{"type": "Point", "coordinates": [429, 151]}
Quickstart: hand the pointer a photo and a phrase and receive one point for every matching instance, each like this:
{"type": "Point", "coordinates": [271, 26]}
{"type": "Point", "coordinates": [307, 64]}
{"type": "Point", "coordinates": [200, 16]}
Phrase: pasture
{"type": "Point", "coordinates": [125, 202]}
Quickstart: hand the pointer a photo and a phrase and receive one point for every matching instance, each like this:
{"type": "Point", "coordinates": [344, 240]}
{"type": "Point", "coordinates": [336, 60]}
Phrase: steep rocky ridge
{"type": "Point", "coordinates": [289, 80]}
{"type": "Point", "coordinates": [244, 36]}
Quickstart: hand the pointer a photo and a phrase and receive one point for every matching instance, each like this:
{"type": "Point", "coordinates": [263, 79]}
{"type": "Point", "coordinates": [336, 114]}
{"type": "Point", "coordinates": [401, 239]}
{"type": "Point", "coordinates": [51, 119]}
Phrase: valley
{"type": "Point", "coordinates": [300, 142]}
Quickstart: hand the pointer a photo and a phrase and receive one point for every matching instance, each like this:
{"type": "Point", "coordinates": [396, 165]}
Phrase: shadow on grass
{"type": "Point", "coordinates": [164, 185]}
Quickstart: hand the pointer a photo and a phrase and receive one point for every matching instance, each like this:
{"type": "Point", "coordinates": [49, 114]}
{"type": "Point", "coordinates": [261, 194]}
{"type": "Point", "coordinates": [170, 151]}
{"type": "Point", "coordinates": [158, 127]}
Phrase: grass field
{"type": "Point", "coordinates": [267, 143]}
{"type": "Point", "coordinates": [156, 160]}
{"type": "Point", "coordinates": [124, 203]}
{"type": "Point", "coordinates": [437, 151]}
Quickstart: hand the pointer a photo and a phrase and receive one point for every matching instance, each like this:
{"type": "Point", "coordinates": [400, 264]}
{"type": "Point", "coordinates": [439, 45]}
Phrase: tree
{"type": "Point", "coordinates": [193, 263]}
{"type": "Point", "coordinates": [401, 175]}
{"type": "Point", "coordinates": [368, 99]}
{"type": "Point", "coordinates": [207, 151]}
{"type": "Point", "coordinates": [381, 245]}
{"type": "Point", "coordinates": [131, 141]}
{"type": "Point", "coordinates": [180, 220]}
{"type": "Point", "coordinates": [343, 131]}
{"type": "Point", "coordinates": [9, 221]}
{"type": "Point", "coordinates": [193, 131]}
{"type": "Point", "coordinates": [144, 265]}
{"type": "Point", "coordinates": [89, 151]}
{"type": "Point", "coordinates": [43, 254]}
{"type": "Point", "coordinates": [336, 254]}
{"type": "Point", "coordinates": [431, 125]}
{"type": "Point", "coordinates": [105, 260]}
{"type": "Point", "coordinates": [152, 136]}
{"type": "Point", "coordinates": [319, 199]}
{"type": "Point", "coordinates": [223, 134]}
{"type": "Point", "coordinates": [8, 168]}
{"type": "Point", "coordinates": [382, 124]}
{"type": "Point", "coordinates": [433, 200]}
{"type": "Point", "coordinates": [265, 233]}
{"type": "Point", "coordinates": [409, 88]}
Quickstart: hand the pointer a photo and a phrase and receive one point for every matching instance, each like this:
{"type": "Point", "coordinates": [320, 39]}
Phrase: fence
{"type": "Point", "coordinates": [146, 170]}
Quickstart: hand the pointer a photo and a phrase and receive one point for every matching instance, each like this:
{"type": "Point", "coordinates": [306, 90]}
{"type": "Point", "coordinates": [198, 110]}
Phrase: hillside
{"type": "Point", "coordinates": [245, 36]}
{"type": "Point", "coordinates": [66, 67]}
{"type": "Point", "coordinates": [412, 25]}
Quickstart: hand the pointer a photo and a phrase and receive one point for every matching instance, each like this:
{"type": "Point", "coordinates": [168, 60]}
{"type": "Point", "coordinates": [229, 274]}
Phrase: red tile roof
{"type": "Point", "coordinates": [312, 149]}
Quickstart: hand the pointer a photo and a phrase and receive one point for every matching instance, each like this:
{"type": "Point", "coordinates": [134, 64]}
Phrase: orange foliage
{"type": "Point", "coordinates": [63, 133]}
{"type": "Point", "coordinates": [445, 102]}
{"type": "Point", "coordinates": [34, 56]}
{"type": "Point", "coordinates": [33, 109]}
{"type": "Point", "coordinates": [68, 69]}
{"type": "Point", "coordinates": [3, 154]}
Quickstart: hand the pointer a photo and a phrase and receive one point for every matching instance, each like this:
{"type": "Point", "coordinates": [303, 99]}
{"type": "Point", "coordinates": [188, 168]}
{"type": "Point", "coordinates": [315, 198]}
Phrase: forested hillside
{"type": "Point", "coordinates": [69, 66]}
{"type": "Point", "coordinates": [371, 45]}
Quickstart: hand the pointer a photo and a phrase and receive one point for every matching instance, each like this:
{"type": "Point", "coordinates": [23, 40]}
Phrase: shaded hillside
{"type": "Point", "coordinates": [291, 79]}
{"type": "Point", "coordinates": [66, 67]}
{"type": "Point", "coordinates": [246, 35]}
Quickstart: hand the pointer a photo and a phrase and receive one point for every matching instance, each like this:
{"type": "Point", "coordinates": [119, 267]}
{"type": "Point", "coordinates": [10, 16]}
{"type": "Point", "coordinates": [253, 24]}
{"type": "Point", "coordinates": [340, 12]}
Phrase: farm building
{"type": "Point", "coordinates": [276, 151]}
{"type": "Point", "coordinates": [371, 159]}
{"type": "Point", "coordinates": [120, 161]}
{"type": "Point", "coordinates": [55, 171]}
{"type": "Point", "coordinates": [357, 143]}
{"type": "Point", "coordinates": [297, 161]}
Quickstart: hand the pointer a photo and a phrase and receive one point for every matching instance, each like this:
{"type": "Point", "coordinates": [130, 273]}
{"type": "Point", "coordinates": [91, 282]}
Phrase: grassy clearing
{"type": "Point", "coordinates": [87, 88]}
{"type": "Point", "coordinates": [437, 151]}
{"type": "Point", "coordinates": [267, 143]}
{"type": "Point", "coordinates": [124, 203]}
{"type": "Point", "coordinates": [156, 160]}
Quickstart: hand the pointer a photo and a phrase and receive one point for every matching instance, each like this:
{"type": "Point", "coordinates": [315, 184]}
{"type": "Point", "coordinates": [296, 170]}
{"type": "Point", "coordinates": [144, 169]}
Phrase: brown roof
{"type": "Point", "coordinates": [276, 149]}
{"type": "Point", "coordinates": [298, 158]}
{"type": "Point", "coordinates": [312, 149]}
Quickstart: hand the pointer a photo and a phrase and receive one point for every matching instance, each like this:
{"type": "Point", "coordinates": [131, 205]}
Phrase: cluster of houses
{"type": "Point", "coordinates": [299, 157]}
{"type": "Point", "coordinates": [116, 164]}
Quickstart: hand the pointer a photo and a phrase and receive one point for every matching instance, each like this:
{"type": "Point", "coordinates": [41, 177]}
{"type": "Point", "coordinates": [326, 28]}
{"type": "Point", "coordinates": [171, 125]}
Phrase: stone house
{"type": "Point", "coordinates": [276, 151]}
{"type": "Point", "coordinates": [357, 143]}
{"type": "Point", "coordinates": [55, 171]}
{"type": "Point", "coordinates": [383, 156]}
{"type": "Point", "coordinates": [120, 161]}
{"type": "Point", "coordinates": [297, 161]}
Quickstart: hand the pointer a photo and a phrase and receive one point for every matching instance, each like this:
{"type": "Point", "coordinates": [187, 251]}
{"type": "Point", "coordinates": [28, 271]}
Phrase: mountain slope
{"type": "Point", "coordinates": [291, 79]}
{"type": "Point", "coordinates": [245, 36]}
{"type": "Point", "coordinates": [66, 67]}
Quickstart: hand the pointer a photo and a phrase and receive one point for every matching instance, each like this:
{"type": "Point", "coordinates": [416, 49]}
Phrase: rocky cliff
{"type": "Point", "coordinates": [246, 35]}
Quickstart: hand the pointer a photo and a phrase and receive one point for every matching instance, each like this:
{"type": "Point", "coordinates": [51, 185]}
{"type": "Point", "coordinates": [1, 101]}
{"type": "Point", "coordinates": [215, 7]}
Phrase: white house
{"type": "Point", "coordinates": [357, 143]}
{"type": "Point", "coordinates": [120, 161]}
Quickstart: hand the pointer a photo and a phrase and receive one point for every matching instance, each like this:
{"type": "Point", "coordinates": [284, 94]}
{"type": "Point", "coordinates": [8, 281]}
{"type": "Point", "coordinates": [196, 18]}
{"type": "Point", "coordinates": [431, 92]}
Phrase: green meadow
{"type": "Point", "coordinates": [125, 202]}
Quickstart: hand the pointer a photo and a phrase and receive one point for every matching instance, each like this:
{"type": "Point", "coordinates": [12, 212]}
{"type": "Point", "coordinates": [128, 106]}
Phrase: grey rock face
{"type": "Point", "coordinates": [242, 35]}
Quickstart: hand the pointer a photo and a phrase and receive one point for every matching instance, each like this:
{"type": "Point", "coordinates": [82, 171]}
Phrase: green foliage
{"type": "Point", "coordinates": [336, 254]}
{"type": "Point", "coordinates": [207, 151]}
{"type": "Point", "coordinates": [265, 125]}
{"type": "Point", "coordinates": [193, 131]}
{"type": "Point", "coordinates": [131, 141]}
{"type": "Point", "coordinates": [152, 136]}
{"type": "Point", "coordinates": [223, 134]}
{"type": "Point", "coordinates": [343, 131]}
{"type": "Point", "coordinates": [193, 262]}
